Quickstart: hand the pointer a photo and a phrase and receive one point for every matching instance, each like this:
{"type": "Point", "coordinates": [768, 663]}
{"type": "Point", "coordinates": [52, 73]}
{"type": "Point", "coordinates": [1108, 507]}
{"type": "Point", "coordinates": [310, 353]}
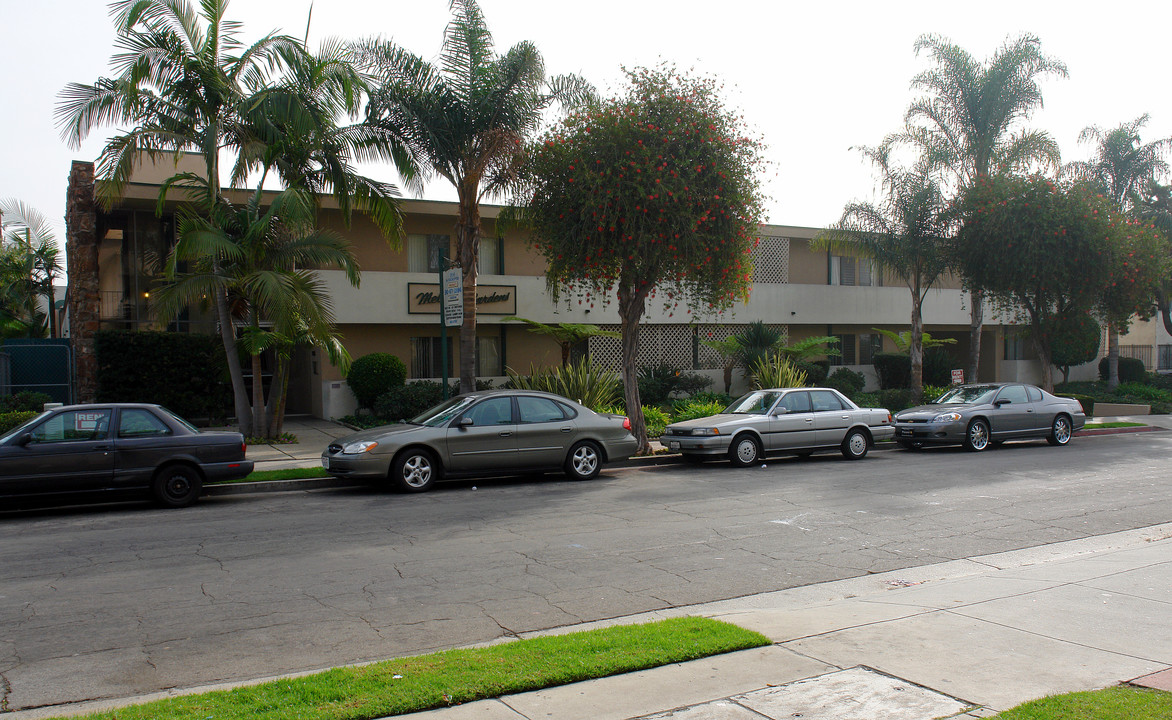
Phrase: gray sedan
{"type": "Point", "coordinates": [781, 421]}
{"type": "Point", "coordinates": [496, 432]}
{"type": "Point", "coordinates": [976, 415]}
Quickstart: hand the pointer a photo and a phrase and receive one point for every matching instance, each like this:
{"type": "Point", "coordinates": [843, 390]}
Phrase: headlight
{"type": "Point", "coordinates": [706, 431]}
{"type": "Point", "coordinates": [946, 417]}
{"type": "Point", "coordinates": [355, 448]}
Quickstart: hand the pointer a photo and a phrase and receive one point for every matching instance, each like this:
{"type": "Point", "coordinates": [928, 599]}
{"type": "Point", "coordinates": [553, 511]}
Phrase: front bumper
{"type": "Point", "coordinates": [929, 432]}
{"type": "Point", "coordinates": [697, 445]}
{"type": "Point", "coordinates": [358, 466]}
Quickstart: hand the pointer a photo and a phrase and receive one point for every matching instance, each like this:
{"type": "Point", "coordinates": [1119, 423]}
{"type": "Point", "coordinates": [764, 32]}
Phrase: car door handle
{"type": "Point", "coordinates": [809, 420]}
{"type": "Point", "coordinates": [846, 417]}
{"type": "Point", "coordinates": [567, 430]}
{"type": "Point", "coordinates": [506, 433]}
{"type": "Point", "coordinates": [101, 447]}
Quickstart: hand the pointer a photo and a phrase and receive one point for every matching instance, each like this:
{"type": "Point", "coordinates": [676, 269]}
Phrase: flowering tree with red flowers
{"type": "Point", "coordinates": [652, 193]}
{"type": "Point", "coordinates": [1050, 252]}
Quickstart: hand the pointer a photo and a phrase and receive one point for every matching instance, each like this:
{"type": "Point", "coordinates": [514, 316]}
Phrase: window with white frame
{"type": "Point", "coordinates": [846, 270]}
{"type": "Point", "coordinates": [490, 260]}
{"type": "Point", "coordinates": [423, 252]}
{"type": "Point", "coordinates": [846, 350]}
{"type": "Point", "coordinates": [488, 356]}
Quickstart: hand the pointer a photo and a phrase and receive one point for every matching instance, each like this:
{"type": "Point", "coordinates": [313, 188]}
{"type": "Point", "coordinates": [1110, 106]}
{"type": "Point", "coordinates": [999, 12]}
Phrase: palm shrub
{"type": "Point", "coordinates": [373, 375]}
{"type": "Point", "coordinates": [691, 409]}
{"type": "Point", "coordinates": [583, 381]}
{"type": "Point", "coordinates": [775, 371]}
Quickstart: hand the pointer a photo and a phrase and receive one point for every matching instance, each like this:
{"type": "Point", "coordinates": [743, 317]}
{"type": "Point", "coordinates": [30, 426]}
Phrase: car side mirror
{"type": "Point", "coordinates": [24, 439]}
{"type": "Point", "coordinates": [465, 422]}
{"type": "Point", "coordinates": [999, 403]}
{"type": "Point", "coordinates": [780, 411]}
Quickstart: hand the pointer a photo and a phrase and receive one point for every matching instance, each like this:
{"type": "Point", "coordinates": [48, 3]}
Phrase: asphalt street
{"type": "Point", "coordinates": [119, 600]}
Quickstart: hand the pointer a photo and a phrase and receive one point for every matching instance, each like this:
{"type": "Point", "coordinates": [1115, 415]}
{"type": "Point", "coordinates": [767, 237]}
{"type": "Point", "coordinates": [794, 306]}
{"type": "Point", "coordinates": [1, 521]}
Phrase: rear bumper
{"type": "Point", "coordinates": [218, 472]}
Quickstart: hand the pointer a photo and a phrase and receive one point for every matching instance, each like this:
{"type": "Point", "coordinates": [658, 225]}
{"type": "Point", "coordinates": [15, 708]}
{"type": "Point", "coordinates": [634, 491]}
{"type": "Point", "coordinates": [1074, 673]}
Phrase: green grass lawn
{"type": "Point", "coordinates": [1104, 425]}
{"type": "Point", "coordinates": [412, 684]}
{"type": "Point", "coordinates": [1114, 703]}
{"type": "Point", "coordinates": [286, 474]}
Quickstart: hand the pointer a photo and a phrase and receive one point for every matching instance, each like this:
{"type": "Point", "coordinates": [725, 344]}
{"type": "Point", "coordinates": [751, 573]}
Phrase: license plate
{"type": "Point", "coordinates": [904, 432]}
{"type": "Point", "coordinates": [325, 462]}
{"type": "Point", "coordinates": [673, 445]}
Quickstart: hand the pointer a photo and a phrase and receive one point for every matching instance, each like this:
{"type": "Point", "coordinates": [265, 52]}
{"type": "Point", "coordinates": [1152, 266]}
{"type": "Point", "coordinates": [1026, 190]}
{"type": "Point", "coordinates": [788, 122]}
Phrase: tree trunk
{"type": "Point", "coordinates": [1165, 311]}
{"type": "Point", "coordinates": [1043, 349]}
{"type": "Point", "coordinates": [278, 393]}
{"type": "Point", "coordinates": [976, 323]}
{"type": "Point", "coordinates": [631, 308]}
{"type": "Point", "coordinates": [1112, 356]}
{"type": "Point", "coordinates": [916, 349]}
{"type": "Point", "coordinates": [259, 426]}
{"type": "Point", "coordinates": [728, 368]}
{"type": "Point", "coordinates": [467, 254]}
{"type": "Point", "coordinates": [82, 231]}
{"type": "Point", "coordinates": [235, 372]}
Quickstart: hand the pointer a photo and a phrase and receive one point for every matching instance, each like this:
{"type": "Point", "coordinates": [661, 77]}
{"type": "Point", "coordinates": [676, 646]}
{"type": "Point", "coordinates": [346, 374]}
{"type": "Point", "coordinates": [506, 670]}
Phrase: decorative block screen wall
{"type": "Point", "coordinates": [670, 344]}
{"type": "Point", "coordinates": [771, 260]}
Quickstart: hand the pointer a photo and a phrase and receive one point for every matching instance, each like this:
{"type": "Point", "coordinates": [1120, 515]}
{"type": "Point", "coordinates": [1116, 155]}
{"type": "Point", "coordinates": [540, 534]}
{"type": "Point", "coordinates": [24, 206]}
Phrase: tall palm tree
{"type": "Point", "coordinates": [1123, 166]}
{"type": "Point", "coordinates": [969, 123]}
{"type": "Point", "coordinates": [31, 265]}
{"type": "Point", "coordinates": [907, 234]}
{"type": "Point", "coordinates": [465, 119]}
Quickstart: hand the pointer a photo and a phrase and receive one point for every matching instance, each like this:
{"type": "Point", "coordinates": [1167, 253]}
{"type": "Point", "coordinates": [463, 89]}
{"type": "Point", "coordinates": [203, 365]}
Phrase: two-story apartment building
{"type": "Point", "coordinates": [799, 291]}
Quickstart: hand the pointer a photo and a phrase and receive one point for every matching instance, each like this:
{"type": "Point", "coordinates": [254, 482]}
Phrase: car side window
{"type": "Point", "coordinates": [796, 402]}
{"type": "Point", "coordinates": [538, 410]}
{"type": "Point", "coordinates": [1015, 394]}
{"type": "Point", "coordinates": [137, 423]}
{"type": "Point", "coordinates": [1034, 393]}
{"type": "Point", "coordinates": [494, 411]}
{"type": "Point", "coordinates": [73, 426]}
{"type": "Point", "coordinates": [824, 401]}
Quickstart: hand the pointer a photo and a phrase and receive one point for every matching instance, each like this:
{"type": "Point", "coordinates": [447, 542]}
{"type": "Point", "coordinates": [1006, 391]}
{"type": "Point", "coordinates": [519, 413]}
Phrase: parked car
{"type": "Point", "coordinates": [976, 415]}
{"type": "Point", "coordinates": [781, 421]}
{"type": "Point", "coordinates": [494, 432]}
{"type": "Point", "coordinates": [117, 446]}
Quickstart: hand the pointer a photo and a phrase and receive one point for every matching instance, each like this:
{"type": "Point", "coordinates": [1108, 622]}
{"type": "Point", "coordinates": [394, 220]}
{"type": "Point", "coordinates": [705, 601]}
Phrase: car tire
{"type": "Point", "coordinates": [1060, 431]}
{"type": "Point", "coordinates": [976, 436]}
{"type": "Point", "coordinates": [584, 461]}
{"type": "Point", "coordinates": [855, 445]}
{"type": "Point", "coordinates": [744, 451]}
{"type": "Point", "coordinates": [176, 486]}
{"type": "Point", "coordinates": [414, 470]}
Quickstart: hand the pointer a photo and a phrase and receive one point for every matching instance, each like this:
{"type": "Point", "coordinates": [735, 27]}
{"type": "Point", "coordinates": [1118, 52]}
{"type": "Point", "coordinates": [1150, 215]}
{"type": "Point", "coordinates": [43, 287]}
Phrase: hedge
{"type": "Point", "coordinates": [186, 373]}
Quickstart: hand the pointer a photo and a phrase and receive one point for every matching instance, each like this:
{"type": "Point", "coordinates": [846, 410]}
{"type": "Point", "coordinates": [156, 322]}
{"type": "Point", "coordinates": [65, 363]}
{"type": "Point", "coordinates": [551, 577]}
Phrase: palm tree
{"type": "Point", "coordinates": [1123, 167]}
{"type": "Point", "coordinates": [906, 234]}
{"type": "Point", "coordinates": [465, 120]}
{"type": "Point", "coordinates": [968, 124]}
{"type": "Point", "coordinates": [30, 267]}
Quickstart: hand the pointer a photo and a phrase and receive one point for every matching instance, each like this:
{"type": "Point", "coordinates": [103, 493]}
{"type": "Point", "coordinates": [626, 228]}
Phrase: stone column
{"type": "Point", "coordinates": [84, 301]}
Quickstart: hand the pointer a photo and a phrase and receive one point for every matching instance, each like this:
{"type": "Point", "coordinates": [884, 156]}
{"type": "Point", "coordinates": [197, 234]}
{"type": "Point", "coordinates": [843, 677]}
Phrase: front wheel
{"type": "Point", "coordinates": [176, 486]}
{"type": "Point", "coordinates": [744, 451]}
{"type": "Point", "coordinates": [855, 444]}
{"type": "Point", "coordinates": [976, 438]}
{"type": "Point", "coordinates": [1060, 431]}
{"type": "Point", "coordinates": [414, 471]}
{"type": "Point", "coordinates": [584, 461]}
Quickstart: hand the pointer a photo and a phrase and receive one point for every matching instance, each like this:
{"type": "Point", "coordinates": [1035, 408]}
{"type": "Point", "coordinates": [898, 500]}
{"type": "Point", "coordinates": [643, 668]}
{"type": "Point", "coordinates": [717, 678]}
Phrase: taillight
{"type": "Point", "coordinates": [627, 424]}
{"type": "Point", "coordinates": [243, 448]}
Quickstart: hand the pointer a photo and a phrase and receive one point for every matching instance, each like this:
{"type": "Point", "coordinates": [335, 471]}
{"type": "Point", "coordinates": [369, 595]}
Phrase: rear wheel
{"type": "Point", "coordinates": [176, 486]}
{"type": "Point", "coordinates": [976, 438]}
{"type": "Point", "coordinates": [414, 471]}
{"type": "Point", "coordinates": [744, 451]}
{"type": "Point", "coordinates": [1060, 431]}
{"type": "Point", "coordinates": [584, 461]}
{"type": "Point", "coordinates": [855, 444]}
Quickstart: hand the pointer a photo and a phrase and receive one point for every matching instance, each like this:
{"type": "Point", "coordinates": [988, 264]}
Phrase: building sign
{"type": "Point", "coordinates": [453, 298]}
{"type": "Point", "coordinates": [426, 299]}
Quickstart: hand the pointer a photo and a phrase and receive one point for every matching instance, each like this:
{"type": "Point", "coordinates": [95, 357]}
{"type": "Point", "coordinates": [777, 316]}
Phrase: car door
{"type": "Point", "coordinates": [544, 432]}
{"type": "Point", "coordinates": [68, 451]}
{"type": "Point", "coordinates": [141, 442]}
{"type": "Point", "coordinates": [1042, 416]}
{"type": "Point", "coordinates": [483, 437]}
{"type": "Point", "coordinates": [793, 429]}
{"type": "Point", "coordinates": [1013, 413]}
{"type": "Point", "coordinates": [831, 418]}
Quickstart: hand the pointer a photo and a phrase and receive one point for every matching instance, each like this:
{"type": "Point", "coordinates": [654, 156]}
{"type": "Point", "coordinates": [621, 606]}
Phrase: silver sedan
{"type": "Point", "coordinates": [976, 416]}
{"type": "Point", "coordinates": [781, 421]}
{"type": "Point", "coordinates": [496, 432]}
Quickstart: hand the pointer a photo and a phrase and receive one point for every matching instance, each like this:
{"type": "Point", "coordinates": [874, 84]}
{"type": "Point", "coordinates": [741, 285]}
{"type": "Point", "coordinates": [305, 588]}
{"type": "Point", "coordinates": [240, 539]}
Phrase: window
{"type": "Point", "coordinates": [426, 355]}
{"type": "Point", "coordinates": [423, 252]}
{"type": "Point", "coordinates": [1165, 358]}
{"type": "Point", "coordinates": [870, 345]}
{"type": "Point", "coordinates": [494, 411]}
{"type": "Point", "coordinates": [1034, 393]}
{"type": "Point", "coordinates": [488, 356]}
{"type": "Point", "coordinates": [137, 423]}
{"type": "Point", "coordinates": [491, 262]}
{"type": "Point", "coordinates": [824, 401]}
{"type": "Point", "coordinates": [73, 426]}
{"type": "Point", "coordinates": [796, 402]}
{"type": "Point", "coordinates": [846, 349]}
{"type": "Point", "coordinates": [854, 271]}
{"type": "Point", "coordinates": [1014, 347]}
{"type": "Point", "coordinates": [539, 410]}
{"type": "Point", "coordinates": [1014, 394]}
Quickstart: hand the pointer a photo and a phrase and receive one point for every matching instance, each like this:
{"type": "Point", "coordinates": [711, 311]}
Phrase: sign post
{"type": "Point", "coordinates": [452, 309]}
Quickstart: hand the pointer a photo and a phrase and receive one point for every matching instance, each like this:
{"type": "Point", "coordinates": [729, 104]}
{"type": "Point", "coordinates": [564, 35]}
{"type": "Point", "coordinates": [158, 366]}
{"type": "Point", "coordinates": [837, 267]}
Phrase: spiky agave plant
{"type": "Point", "coordinates": [774, 370]}
{"type": "Point", "coordinates": [582, 381]}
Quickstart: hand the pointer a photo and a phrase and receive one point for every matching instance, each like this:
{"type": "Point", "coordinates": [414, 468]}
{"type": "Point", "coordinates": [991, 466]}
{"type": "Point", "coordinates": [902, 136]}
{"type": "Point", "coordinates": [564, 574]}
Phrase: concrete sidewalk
{"type": "Point", "coordinates": [967, 638]}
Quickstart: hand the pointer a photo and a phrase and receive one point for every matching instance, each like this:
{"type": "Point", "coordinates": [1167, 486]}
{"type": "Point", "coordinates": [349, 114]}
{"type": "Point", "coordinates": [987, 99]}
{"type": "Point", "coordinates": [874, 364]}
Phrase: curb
{"type": "Point", "coordinates": [1116, 431]}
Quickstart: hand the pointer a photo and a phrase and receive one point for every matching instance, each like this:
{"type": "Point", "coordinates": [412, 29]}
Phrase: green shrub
{"type": "Point", "coordinates": [938, 365]}
{"type": "Point", "coordinates": [1147, 393]}
{"type": "Point", "coordinates": [185, 372]}
{"type": "Point", "coordinates": [867, 400]}
{"type": "Point", "coordinates": [24, 401]}
{"type": "Point", "coordinates": [1131, 370]}
{"type": "Point", "coordinates": [931, 392]}
{"type": "Point", "coordinates": [895, 399]}
{"type": "Point", "coordinates": [894, 370]}
{"type": "Point", "coordinates": [776, 371]}
{"type": "Point", "coordinates": [15, 418]}
{"type": "Point", "coordinates": [407, 401]}
{"type": "Point", "coordinates": [815, 370]}
{"type": "Point", "coordinates": [658, 384]}
{"type": "Point", "coordinates": [1087, 402]}
{"type": "Point", "coordinates": [373, 375]}
{"type": "Point", "coordinates": [655, 420]}
{"type": "Point", "coordinates": [583, 381]}
{"type": "Point", "coordinates": [706, 398]}
{"type": "Point", "coordinates": [846, 381]}
{"type": "Point", "coordinates": [691, 409]}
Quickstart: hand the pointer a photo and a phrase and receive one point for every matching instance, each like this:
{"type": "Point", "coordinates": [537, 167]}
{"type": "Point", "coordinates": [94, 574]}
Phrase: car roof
{"type": "Point", "coordinates": [123, 405]}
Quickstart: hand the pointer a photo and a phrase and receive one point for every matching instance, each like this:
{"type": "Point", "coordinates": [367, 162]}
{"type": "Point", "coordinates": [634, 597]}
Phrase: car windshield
{"type": "Point", "coordinates": [967, 394]}
{"type": "Point", "coordinates": [442, 413]}
{"type": "Point", "coordinates": [21, 428]}
{"type": "Point", "coordinates": [755, 403]}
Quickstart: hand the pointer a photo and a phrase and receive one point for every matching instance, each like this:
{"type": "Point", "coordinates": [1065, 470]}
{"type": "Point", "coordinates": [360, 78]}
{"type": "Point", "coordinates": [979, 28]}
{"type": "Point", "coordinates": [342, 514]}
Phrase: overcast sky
{"type": "Point", "coordinates": [815, 79]}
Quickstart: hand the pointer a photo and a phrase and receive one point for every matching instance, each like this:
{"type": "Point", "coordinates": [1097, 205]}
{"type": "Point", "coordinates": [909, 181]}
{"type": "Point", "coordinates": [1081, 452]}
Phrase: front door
{"type": "Point", "coordinates": [794, 428]}
{"type": "Point", "coordinates": [1013, 412]}
{"type": "Point", "coordinates": [488, 441]}
{"type": "Point", "coordinates": [69, 451]}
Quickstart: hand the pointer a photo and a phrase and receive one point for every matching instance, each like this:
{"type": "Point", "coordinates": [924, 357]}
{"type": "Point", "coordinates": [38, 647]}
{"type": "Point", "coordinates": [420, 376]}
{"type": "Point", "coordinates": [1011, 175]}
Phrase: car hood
{"type": "Point", "coordinates": [722, 420]}
{"type": "Point", "coordinates": [380, 433]}
{"type": "Point", "coordinates": [927, 412]}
